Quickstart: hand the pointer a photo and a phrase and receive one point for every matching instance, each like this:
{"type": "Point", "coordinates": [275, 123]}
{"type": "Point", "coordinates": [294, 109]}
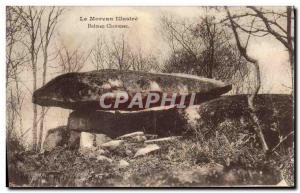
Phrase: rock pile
{"type": "Point", "coordinates": [101, 150]}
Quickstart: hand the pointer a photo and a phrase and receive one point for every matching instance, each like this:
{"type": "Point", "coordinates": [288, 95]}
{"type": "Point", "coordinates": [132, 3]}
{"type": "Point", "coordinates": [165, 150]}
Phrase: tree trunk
{"type": "Point", "coordinates": [211, 49]}
{"type": "Point", "coordinates": [19, 103]}
{"type": "Point", "coordinates": [254, 62]}
{"type": "Point", "coordinates": [12, 106]}
{"type": "Point", "coordinates": [290, 43]}
{"type": "Point", "coordinates": [43, 83]}
{"type": "Point", "coordinates": [34, 129]}
{"type": "Point", "coordinates": [257, 127]}
{"type": "Point", "coordinates": [291, 60]}
{"type": "Point", "coordinates": [39, 146]}
{"type": "Point", "coordinates": [212, 56]}
{"type": "Point", "coordinates": [34, 74]}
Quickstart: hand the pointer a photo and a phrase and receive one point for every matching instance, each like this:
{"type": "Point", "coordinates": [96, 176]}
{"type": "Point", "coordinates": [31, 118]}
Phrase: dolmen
{"type": "Point", "coordinates": [117, 102]}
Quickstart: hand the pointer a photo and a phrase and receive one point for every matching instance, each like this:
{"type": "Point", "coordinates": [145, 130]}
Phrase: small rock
{"type": "Point", "coordinates": [149, 148]}
{"type": "Point", "coordinates": [100, 151]}
{"type": "Point", "coordinates": [104, 158]}
{"type": "Point", "coordinates": [134, 137]}
{"type": "Point", "coordinates": [123, 164]}
{"type": "Point", "coordinates": [128, 152]}
{"type": "Point", "coordinates": [112, 145]}
{"type": "Point", "coordinates": [151, 136]}
{"type": "Point", "coordinates": [101, 138]}
{"type": "Point", "coordinates": [130, 135]}
{"type": "Point", "coordinates": [165, 139]}
{"type": "Point", "coordinates": [87, 140]}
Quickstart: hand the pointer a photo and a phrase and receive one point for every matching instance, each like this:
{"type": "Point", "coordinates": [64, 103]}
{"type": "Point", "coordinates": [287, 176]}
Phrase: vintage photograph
{"type": "Point", "coordinates": [150, 96]}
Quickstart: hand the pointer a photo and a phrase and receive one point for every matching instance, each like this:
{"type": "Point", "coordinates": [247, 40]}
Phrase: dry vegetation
{"type": "Point", "coordinates": [227, 153]}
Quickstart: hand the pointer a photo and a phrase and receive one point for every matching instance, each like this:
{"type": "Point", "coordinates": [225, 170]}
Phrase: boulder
{"type": "Point", "coordinates": [90, 140]}
{"type": "Point", "coordinates": [56, 137]}
{"type": "Point", "coordinates": [87, 140]}
{"type": "Point", "coordinates": [83, 90]}
{"type": "Point", "coordinates": [101, 138]}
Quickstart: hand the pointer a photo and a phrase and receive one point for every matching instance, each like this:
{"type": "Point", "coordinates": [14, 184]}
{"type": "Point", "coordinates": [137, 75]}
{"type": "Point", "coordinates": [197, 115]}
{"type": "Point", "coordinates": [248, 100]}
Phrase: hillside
{"type": "Point", "coordinates": [223, 151]}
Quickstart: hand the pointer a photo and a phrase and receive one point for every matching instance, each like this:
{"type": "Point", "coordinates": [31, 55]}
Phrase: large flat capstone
{"type": "Point", "coordinates": [84, 90]}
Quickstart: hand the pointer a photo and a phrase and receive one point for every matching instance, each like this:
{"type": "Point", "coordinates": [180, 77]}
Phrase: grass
{"type": "Point", "coordinates": [181, 163]}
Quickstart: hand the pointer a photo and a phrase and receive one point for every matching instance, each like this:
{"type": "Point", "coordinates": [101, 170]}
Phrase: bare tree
{"type": "Point", "coordinates": [46, 33]}
{"type": "Point", "coordinates": [15, 60]}
{"type": "Point", "coordinates": [254, 62]}
{"type": "Point", "coordinates": [202, 48]}
{"type": "Point", "coordinates": [141, 61]}
{"type": "Point", "coordinates": [98, 54]}
{"type": "Point", "coordinates": [284, 34]}
{"type": "Point", "coordinates": [31, 22]}
{"type": "Point", "coordinates": [179, 37]}
{"type": "Point", "coordinates": [71, 60]}
{"type": "Point", "coordinates": [209, 33]}
{"type": "Point", "coordinates": [118, 53]}
{"type": "Point", "coordinates": [278, 23]}
{"type": "Point", "coordinates": [14, 57]}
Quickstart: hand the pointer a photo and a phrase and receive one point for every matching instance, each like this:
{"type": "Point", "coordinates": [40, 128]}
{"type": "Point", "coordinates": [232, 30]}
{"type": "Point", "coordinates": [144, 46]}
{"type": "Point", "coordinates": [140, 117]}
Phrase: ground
{"type": "Point", "coordinates": [223, 151]}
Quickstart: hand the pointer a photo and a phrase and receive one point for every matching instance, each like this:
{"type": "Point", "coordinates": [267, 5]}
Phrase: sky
{"type": "Point", "coordinates": [145, 31]}
{"type": "Point", "coordinates": [271, 55]}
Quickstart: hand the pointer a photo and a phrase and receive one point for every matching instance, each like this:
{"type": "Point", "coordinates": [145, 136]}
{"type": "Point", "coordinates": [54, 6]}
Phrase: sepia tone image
{"type": "Point", "coordinates": [150, 96]}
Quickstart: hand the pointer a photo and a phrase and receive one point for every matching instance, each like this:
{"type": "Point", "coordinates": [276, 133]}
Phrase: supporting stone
{"type": "Point", "coordinates": [167, 122]}
{"type": "Point", "coordinates": [87, 140]}
{"type": "Point", "coordinates": [74, 139]}
{"type": "Point", "coordinates": [55, 137]}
